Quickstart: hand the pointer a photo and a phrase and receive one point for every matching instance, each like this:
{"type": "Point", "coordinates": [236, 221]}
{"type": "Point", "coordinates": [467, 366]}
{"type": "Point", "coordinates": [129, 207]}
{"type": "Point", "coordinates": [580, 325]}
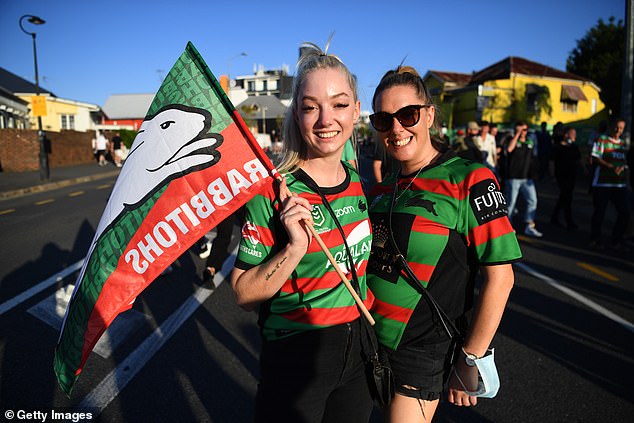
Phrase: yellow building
{"type": "Point", "coordinates": [62, 113]}
{"type": "Point", "coordinates": [58, 113]}
{"type": "Point", "coordinates": [514, 89]}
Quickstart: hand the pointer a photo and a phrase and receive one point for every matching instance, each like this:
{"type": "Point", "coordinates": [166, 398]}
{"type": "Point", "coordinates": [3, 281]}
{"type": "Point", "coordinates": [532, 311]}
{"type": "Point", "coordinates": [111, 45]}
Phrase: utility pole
{"type": "Point", "coordinates": [628, 66]}
{"type": "Point", "coordinates": [44, 170]}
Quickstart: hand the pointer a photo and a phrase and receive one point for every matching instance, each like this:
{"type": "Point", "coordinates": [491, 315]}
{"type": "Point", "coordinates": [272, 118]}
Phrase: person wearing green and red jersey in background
{"type": "Point", "coordinates": [312, 365]}
{"type": "Point", "coordinates": [449, 219]}
{"type": "Point", "coordinates": [610, 184]}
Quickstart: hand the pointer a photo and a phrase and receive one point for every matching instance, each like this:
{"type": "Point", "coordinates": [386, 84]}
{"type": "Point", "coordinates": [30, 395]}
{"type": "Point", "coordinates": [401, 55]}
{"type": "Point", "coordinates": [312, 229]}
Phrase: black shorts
{"type": "Point", "coordinates": [316, 376]}
{"type": "Point", "coordinates": [420, 371]}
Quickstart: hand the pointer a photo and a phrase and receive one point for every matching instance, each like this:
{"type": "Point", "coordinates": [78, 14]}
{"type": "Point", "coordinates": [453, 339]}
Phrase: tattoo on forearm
{"type": "Point", "coordinates": [277, 266]}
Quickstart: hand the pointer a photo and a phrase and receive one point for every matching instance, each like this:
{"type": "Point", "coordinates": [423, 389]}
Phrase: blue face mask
{"type": "Point", "coordinates": [488, 380]}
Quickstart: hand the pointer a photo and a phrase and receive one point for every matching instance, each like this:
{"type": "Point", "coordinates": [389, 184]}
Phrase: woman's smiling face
{"type": "Point", "coordinates": [326, 112]}
{"type": "Point", "coordinates": [405, 144]}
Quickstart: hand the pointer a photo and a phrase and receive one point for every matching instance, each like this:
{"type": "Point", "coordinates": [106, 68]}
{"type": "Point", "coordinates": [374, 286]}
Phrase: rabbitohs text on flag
{"type": "Point", "coordinates": [192, 164]}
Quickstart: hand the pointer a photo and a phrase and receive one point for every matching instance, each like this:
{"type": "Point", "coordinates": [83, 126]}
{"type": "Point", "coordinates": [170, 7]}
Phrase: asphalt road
{"type": "Point", "coordinates": [564, 349]}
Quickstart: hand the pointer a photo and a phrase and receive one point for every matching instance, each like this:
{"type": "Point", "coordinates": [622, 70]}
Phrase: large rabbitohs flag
{"type": "Point", "coordinates": [192, 164]}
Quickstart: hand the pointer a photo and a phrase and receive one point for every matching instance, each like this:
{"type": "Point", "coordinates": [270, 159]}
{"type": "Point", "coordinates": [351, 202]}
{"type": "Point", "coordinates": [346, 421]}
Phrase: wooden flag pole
{"type": "Point", "coordinates": [343, 277]}
{"type": "Point", "coordinates": [334, 263]}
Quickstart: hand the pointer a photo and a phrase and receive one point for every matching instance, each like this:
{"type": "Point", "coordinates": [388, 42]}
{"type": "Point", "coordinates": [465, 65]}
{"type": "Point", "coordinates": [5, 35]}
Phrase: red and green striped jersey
{"type": "Point", "coordinates": [448, 221]}
{"type": "Point", "coordinates": [613, 151]}
{"type": "Point", "coordinates": [313, 297]}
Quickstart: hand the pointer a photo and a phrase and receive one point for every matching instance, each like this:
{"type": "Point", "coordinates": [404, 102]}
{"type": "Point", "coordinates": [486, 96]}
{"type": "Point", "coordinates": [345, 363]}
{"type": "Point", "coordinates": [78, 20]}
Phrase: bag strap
{"type": "Point", "coordinates": [411, 278]}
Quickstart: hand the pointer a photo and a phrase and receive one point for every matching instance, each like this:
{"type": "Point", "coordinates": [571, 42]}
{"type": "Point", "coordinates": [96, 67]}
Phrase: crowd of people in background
{"type": "Point", "coordinates": [519, 157]}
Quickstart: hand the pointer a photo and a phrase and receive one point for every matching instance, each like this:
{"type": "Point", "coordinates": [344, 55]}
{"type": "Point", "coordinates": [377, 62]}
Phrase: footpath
{"type": "Point", "coordinates": [17, 184]}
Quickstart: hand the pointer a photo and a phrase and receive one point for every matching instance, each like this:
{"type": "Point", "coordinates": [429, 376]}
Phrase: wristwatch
{"type": "Point", "coordinates": [469, 358]}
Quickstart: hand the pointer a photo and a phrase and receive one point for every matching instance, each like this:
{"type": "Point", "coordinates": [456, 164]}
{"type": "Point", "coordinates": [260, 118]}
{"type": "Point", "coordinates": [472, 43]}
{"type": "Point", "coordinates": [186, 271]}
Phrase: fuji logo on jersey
{"type": "Point", "coordinates": [250, 232]}
{"type": "Point", "coordinates": [487, 202]}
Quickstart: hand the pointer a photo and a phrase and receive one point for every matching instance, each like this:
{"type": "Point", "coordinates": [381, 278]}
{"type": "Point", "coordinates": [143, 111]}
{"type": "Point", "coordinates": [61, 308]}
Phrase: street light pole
{"type": "Point", "coordinates": [43, 156]}
{"type": "Point", "coordinates": [229, 67]}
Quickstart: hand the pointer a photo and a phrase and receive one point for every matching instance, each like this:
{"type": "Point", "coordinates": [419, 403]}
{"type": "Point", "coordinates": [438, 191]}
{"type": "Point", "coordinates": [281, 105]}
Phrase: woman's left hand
{"type": "Point", "coordinates": [469, 377]}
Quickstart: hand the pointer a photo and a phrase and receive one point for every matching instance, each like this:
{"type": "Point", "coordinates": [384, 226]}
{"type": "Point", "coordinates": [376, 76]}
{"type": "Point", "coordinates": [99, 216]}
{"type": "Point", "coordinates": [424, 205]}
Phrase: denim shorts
{"type": "Point", "coordinates": [420, 371]}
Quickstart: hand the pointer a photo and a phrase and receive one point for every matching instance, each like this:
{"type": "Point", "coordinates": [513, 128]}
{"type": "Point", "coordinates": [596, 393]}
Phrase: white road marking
{"type": "Point", "coordinates": [571, 293]}
{"type": "Point", "coordinates": [9, 304]}
{"type": "Point", "coordinates": [108, 389]}
{"type": "Point", "coordinates": [52, 309]}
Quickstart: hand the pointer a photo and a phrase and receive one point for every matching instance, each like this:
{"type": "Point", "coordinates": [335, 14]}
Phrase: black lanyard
{"type": "Point", "coordinates": [310, 183]}
{"type": "Point", "coordinates": [411, 278]}
{"type": "Point", "coordinates": [369, 342]}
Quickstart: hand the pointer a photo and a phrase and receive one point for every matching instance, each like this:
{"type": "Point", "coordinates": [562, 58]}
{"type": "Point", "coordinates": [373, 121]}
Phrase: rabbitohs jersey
{"type": "Point", "coordinates": [613, 151]}
{"type": "Point", "coordinates": [313, 297]}
{"type": "Point", "coordinates": [449, 221]}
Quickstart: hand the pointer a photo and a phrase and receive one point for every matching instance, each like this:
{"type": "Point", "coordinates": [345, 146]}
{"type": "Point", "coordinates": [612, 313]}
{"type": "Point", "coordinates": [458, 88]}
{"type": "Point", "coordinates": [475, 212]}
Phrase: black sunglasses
{"type": "Point", "coordinates": [406, 116]}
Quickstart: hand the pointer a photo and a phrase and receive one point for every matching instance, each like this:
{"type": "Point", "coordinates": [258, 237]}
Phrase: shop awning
{"type": "Point", "coordinates": [572, 93]}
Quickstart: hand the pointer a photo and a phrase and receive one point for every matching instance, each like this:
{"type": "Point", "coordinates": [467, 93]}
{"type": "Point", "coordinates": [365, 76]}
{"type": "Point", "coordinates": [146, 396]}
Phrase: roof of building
{"type": "Point", "coordinates": [4, 93]}
{"type": "Point", "coordinates": [503, 70]}
{"type": "Point", "coordinates": [518, 65]}
{"type": "Point", "coordinates": [272, 104]}
{"type": "Point", "coordinates": [127, 106]}
{"type": "Point", "coordinates": [460, 79]}
{"type": "Point", "coordinates": [15, 84]}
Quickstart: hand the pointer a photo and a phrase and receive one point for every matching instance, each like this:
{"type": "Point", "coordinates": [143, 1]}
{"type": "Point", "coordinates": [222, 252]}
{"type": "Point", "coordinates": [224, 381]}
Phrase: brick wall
{"type": "Point", "coordinates": [19, 149]}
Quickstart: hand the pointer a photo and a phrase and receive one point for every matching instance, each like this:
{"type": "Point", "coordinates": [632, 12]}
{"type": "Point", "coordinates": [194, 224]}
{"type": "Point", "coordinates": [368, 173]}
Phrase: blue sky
{"type": "Point", "coordinates": [90, 50]}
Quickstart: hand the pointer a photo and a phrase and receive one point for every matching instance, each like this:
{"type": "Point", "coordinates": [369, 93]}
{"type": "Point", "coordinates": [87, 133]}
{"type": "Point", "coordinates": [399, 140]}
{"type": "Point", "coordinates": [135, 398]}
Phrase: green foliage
{"type": "Point", "coordinates": [599, 57]}
{"type": "Point", "coordinates": [542, 107]}
{"type": "Point", "coordinates": [127, 137]}
{"type": "Point", "coordinates": [247, 115]}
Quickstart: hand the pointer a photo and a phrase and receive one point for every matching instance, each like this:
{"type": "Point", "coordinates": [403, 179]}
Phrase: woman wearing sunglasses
{"type": "Point", "coordinates": [446, 216]}
{"type": "Point", "coordinates": [311, 363]}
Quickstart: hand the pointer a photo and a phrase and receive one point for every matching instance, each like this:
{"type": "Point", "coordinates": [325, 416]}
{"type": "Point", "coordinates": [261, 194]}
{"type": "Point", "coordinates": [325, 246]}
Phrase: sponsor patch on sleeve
{"type": "Point", "coordinates": [250, 232]}
{"type": "Point", "coordinates": [252, 238]}
{"type": "Point", "coordinates": [487, 202]}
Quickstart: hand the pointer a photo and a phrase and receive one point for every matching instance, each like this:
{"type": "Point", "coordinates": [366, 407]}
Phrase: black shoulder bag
{"type": "Point", "coordinates": [378, 370]}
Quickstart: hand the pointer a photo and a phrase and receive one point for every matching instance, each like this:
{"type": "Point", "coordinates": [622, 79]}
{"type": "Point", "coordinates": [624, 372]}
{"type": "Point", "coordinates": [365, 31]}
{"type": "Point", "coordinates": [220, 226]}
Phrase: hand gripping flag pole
{"type": "Point", "coordinates": [181, 178]}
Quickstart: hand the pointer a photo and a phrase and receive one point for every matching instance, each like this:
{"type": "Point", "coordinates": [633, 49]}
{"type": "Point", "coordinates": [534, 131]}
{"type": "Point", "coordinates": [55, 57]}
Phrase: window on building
{"type": "Point", "coordinates": [482, 103]}
{"type": "Point", "coordinates": [569, 106]}
{"type": "Point", "coordinates": [536, 97]}
{"type": "Point", "coordinates": [265, 85]}
{"type": "Point", "coordinates": [251, 86]}
{"type": "Point", "coordinates": [570, 97]}
{"type": "Point", "coordinates": [68, 121]}
{"type": "Point", "coordinates": [593, 106]}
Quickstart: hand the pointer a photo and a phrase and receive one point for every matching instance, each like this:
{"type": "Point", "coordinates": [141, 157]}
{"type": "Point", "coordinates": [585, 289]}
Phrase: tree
{"type": "Point", "coordinates": [599, 57]}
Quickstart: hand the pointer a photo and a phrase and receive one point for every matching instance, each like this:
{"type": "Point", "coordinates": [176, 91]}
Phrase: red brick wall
{"type": "Point", "coordinates": [19, 149]}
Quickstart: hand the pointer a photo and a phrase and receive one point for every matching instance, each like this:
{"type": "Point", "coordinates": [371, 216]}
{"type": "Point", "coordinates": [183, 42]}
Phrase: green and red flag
{"type": "Point", "coordinates": [192, 164]}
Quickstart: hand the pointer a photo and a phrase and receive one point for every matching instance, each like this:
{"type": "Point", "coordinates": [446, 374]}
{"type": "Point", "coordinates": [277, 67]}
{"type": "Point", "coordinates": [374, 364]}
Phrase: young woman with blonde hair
{"type": "Point", "coordinates": [312, 367]}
